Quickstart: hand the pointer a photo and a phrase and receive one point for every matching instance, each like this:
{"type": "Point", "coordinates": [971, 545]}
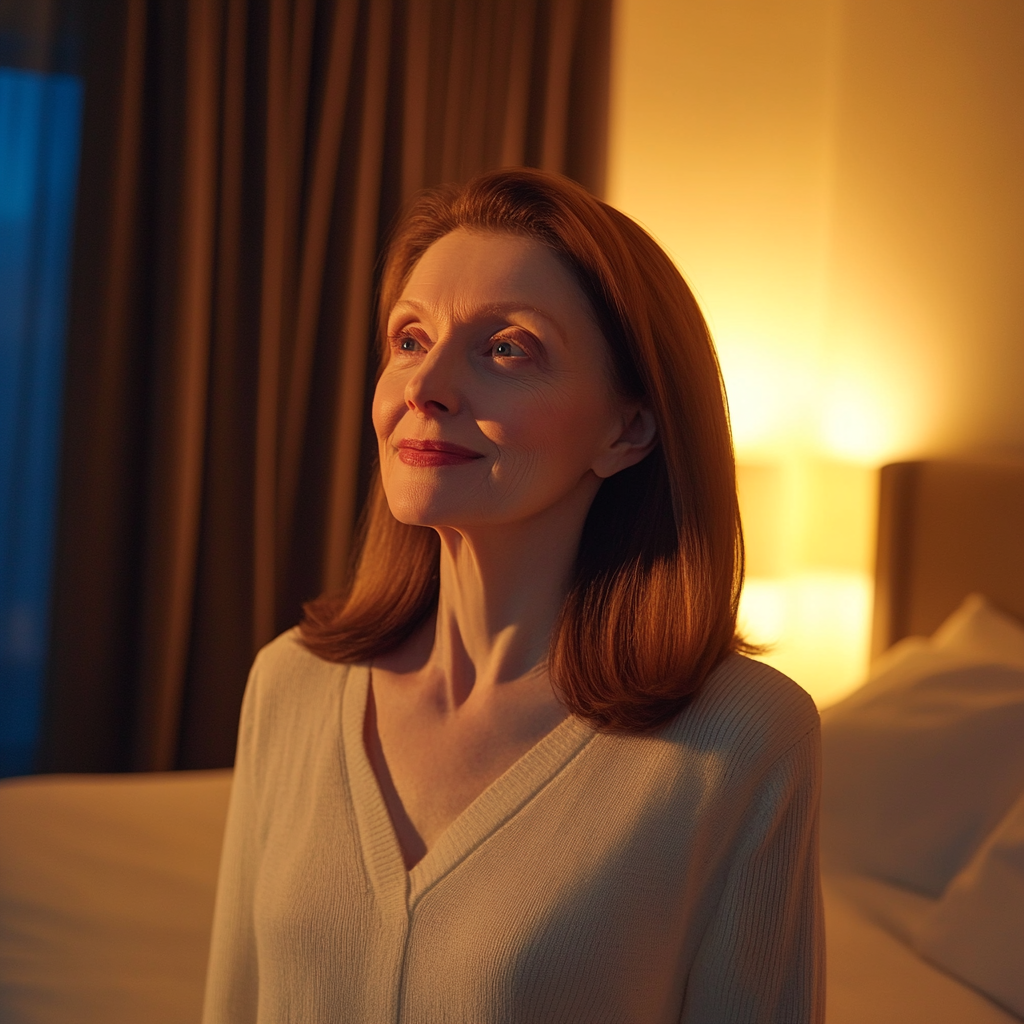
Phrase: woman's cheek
{"type": "Point", "coordinates": [388, 405]}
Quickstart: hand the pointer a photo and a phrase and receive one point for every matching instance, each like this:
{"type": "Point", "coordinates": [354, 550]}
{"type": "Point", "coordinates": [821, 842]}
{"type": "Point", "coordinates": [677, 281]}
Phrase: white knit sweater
{"type": "Point", "coordinates": [634, 879]}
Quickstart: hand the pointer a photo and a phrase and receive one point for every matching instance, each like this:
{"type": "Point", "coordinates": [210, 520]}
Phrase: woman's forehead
{"type": "Point", "coordinates": [491, 271]}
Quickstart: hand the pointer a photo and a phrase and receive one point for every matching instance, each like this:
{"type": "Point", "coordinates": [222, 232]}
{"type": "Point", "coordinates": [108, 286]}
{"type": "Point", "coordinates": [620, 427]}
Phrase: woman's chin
{"type": "Point", "coordinates": [435, 514]}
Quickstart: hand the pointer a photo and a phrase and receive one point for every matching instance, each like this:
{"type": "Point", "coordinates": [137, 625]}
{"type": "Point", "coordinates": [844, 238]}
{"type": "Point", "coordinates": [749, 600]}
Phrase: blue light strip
{"type": "Point", "coordinates": [40, 130]}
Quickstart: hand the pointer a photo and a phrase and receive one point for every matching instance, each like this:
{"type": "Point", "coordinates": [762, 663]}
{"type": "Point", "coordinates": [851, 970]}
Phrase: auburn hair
{"type": "Point", "coordinates": [651, 607]}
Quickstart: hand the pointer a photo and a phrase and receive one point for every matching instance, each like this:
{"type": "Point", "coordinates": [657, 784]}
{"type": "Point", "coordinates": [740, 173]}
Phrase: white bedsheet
{"type": "Point", "coordinates": [106, 894]}
{"type": "Point", "coordinates": [874, 977]}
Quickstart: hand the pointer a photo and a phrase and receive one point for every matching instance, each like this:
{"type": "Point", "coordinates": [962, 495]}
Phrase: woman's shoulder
{"type": "Point", "coordinates": [286, 651]}
{"type": "Point", "coordinates": [746, 710]}
{"type": "Point", "coordinates": [286, 674]}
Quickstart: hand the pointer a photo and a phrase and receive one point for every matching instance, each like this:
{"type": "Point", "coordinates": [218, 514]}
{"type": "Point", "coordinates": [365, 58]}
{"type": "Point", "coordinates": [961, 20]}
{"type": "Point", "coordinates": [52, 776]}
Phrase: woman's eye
{"type": "Point", "coordinates": [507, 349]}
{"type": "Point", "coordinates": [408, 344]}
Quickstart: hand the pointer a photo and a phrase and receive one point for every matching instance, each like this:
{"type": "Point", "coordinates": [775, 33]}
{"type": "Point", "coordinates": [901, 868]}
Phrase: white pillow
{"type": "Point", "coordinates": [923, 761]}
{"type": "Point", "coordinates": [977, 929]}
{"type": "Point", "coordinates": [979, 631]}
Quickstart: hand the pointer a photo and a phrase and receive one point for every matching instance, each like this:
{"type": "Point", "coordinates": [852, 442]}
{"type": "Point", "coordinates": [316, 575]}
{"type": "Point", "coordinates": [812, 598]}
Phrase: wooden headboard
{"type": "Point", "coordinates": [946, 529]}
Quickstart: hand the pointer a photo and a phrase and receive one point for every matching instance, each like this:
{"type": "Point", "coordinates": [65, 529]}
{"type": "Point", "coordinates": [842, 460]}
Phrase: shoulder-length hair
{"type": "Point", "coordinates": [651, 608]}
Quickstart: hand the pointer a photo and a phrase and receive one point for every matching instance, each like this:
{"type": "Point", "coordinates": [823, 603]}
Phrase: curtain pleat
{"type": "Point", "coordinates": [326, 153]}
{"type": "Point", "coordinates": [92, 655]}
{"type": "Point", "coordinates": [517, 103]}
{"type": "Point", "coordinates": [243, 161]}
{"type": "Point", "coordinates": [349, 412]}
{"type": "Point", "coordinates": [180, 377]}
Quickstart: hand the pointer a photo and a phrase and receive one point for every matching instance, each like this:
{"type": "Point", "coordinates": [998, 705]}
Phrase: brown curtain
{"type": "Point", "coordinates": [242, 161]}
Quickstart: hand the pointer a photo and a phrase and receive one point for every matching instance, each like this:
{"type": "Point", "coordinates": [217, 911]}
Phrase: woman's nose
{"type": "Point", "coordinates": [434, 387]}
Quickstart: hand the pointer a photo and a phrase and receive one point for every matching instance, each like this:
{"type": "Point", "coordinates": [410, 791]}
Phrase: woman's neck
{"type": "Point", "coordinates": [501, 590]}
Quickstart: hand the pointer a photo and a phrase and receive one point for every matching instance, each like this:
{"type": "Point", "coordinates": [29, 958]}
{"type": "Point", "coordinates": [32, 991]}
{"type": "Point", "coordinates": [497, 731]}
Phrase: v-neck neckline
{"type": "Point", "coordinates": [499, 802]}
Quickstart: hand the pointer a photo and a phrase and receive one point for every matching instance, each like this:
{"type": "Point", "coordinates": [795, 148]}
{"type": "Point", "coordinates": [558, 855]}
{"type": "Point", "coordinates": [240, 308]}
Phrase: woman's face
{"type": "Point", "coordinates": [496, 402]}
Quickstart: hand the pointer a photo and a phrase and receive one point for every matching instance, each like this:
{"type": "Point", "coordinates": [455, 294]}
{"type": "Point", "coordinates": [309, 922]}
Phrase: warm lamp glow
{"type": "Point", "coordinates": [858, 422]}
{"type": "Point", "coordinates": [845, 203]}
{"type": "Point", "coordinates": [742, 193]}
{"type": "Point", "coordinates": [818, 626]}
{"type": "Point", "coordinates": [809, 535]}
{"type": "Point", "coordinates": [806, 513]}
{"type": "Point", "coordinates": [761, 382]}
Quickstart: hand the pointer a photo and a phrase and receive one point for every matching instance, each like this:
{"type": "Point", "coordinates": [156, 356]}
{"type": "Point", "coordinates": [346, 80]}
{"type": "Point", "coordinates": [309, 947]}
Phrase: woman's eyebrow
{"type": "Point", "coordinates": [506, 308]}
{"type": "Point", "coordinates": [499, 309]}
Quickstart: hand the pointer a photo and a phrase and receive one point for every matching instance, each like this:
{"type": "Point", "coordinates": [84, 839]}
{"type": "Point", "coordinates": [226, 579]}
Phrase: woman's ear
{"type": "Point", "coordinates": [636, 439]}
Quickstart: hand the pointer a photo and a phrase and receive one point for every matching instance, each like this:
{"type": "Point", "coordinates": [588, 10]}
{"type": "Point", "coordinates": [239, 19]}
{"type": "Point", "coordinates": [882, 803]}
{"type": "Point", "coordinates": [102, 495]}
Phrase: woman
{"type": "Point", "coordinates": [519, 772]}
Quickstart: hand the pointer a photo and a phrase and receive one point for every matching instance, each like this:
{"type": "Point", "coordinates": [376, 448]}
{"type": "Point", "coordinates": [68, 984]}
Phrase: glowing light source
{"type": "Point", "coordinates": [761, 381]}
{"type": "Point", "coordinates": [793, 161]}
{"type": "Point", "coordinates": [864, 418]}
{"type": "Point", "coordinates": [809, 538]}
{"type": "Point", "coordinates": [818, 625]}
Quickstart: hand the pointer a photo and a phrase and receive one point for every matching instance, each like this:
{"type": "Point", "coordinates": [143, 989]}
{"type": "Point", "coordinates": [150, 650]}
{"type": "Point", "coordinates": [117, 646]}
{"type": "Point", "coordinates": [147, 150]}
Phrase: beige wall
{"type": "Point", "coordinates": [842, 183]}
{"type": "Point", "coordinates": [927, 240]}
{"type": "Point", "coordinates": [719, 146]}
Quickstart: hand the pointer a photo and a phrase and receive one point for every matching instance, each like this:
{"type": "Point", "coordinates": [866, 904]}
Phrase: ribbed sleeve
{"type": "Point", "coordinates": [232, 987]}
{"type": "Point", "coordinates": [762, 960]}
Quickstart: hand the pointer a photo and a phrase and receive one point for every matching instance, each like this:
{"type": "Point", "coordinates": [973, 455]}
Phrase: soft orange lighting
{"type": "Point", "coordinates": [803, 512]}
{"type": "Point", "coordinates": [845, 204]}
{"type": "Point", "coordinates": [762, 381]}
{"type": "Point", "coordinates": [808, 526]}
{"type": "Point", "coordinates": [854, 424]}
{"type": "Point", "coordinates": [818, 624]}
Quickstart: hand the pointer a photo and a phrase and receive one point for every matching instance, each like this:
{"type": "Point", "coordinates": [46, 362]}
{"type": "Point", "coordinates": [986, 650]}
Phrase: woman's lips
{"type": "Point", "coordinates": [434, 453]}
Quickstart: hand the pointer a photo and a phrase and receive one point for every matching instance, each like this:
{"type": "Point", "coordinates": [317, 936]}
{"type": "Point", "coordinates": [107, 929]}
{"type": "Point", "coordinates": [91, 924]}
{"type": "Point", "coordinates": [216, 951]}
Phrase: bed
{"type": "Point", "coordinates": [923, 803]}
{"type": "Point", "coordinates": [107, 882]}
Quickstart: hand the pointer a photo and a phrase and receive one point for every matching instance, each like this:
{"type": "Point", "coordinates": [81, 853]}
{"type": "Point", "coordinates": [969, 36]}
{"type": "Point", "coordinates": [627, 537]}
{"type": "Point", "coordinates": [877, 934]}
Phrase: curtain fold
{"type": "Point", "coordinates": [242, 162]}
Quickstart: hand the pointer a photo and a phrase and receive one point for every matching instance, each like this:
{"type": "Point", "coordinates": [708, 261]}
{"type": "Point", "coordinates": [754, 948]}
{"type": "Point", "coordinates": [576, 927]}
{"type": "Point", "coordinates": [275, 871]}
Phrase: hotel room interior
{"type": "Point", "coordinates": [197, 194]}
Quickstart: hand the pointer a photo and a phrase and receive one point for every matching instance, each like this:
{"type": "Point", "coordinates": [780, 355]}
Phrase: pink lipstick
{"type": "Point", "coordinates": [434, 453]}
